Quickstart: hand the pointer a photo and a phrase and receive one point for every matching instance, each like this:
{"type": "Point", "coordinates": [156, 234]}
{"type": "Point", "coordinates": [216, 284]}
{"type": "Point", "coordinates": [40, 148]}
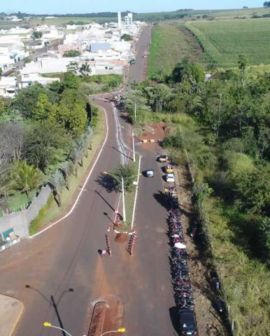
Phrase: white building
{"type": "Point", "coordinates": [129, 19]}
{"type": "Point", "coordinates": [8, 87]}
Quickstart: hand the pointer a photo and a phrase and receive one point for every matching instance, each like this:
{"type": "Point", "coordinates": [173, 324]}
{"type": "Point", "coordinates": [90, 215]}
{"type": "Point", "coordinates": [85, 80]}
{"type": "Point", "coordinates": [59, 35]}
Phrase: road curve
{"type": "Point", "coordinates": [66, 257]}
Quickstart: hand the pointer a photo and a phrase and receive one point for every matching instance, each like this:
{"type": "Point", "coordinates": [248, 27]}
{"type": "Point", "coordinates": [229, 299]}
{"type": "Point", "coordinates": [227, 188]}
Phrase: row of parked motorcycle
{"type": "Point", "coordinates": [179, 268]}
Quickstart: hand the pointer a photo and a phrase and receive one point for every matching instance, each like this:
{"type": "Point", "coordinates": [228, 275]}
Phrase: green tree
{"type": "Point", "coordinates": [70, 81]}
{"type": "Point", "coordinates": [46, 144]}
{"type": "Point", "coordinates": [126, 37]}
{"type": "Point", "coordinates": [25, 177]}
{"type": "Point", "coordinates": [85, 69]}
{"type": "Point", "coordinates": [44, 109]}
{"type": "Point", "coordinates": [26, 99]}
{"type": "Point", "coordinates": [128, 173]}
{"type": "Point", "coordinates": [36, 35]}
{"type": "Point", "coordinates": [186, 70]}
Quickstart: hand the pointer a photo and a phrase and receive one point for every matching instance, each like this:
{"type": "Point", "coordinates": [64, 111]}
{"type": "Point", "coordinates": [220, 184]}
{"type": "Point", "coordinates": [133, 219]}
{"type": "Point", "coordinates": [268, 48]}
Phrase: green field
{"type": "Point", "coordinates": [171, 42]}
{"type": "Point", "coordinates": [224, 40]}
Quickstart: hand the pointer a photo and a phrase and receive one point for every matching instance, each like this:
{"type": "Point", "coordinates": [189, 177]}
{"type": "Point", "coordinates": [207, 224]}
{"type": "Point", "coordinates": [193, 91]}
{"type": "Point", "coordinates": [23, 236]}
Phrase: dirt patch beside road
{"type": "Point", "coordinates": [209, 323]}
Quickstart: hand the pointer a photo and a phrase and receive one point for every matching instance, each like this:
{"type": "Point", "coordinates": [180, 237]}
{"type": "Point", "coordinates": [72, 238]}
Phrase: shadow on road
{"type": "Point", "coordinates": [53, 303]}
{"type": "Point", "coordinates": [174, 318]}
{"type": "Point", "coordinates": [107, 182]}
{"type": "Point", "coordinates": [163, 200]}
{"type": "Point", "coordinates": [104, 199]}
{"type": "Point", "coordinates": [117, 150]}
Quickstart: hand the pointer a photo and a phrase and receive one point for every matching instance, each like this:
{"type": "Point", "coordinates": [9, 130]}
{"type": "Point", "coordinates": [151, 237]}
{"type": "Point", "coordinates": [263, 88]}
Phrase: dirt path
{"type": "Point", "coordinates": [209, 323]}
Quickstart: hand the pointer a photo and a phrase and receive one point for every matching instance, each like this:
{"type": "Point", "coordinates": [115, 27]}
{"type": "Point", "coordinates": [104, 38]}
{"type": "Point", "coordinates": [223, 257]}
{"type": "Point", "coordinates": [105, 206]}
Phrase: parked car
{"type": "Point", "coordinates": [168, 169]}
{"type": "Point", "coordinates": [214, 281]}
{"type": "Point", "coordinates": [187, 322]}
{"type": "Point", "coordinates": [219, 305]}
{"type": "Point", "coordinates": [170, 178]}
{"type": "Point", "coordinates": [149, 173]}
{"type": "Point", "coordinates": [162, 158]}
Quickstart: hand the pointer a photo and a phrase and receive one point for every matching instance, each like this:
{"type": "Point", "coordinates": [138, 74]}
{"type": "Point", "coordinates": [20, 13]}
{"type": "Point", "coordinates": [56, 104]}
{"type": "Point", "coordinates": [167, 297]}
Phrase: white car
{"type": "Point", "coordinates": [162, 158]}
{"type": "Point", "coordinates": [149, 173]}
{"type": "Point", "coordinates": [170, 178]}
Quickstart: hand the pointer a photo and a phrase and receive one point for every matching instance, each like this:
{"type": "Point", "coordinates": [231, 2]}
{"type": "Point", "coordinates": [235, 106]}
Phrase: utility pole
{"type": "Point", "coordinates": [123, 199]}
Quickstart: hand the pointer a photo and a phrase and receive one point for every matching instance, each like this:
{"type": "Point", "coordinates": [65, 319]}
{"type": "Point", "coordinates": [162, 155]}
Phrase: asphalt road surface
{"type": "Point", "coordinates": [137, 71]}
{"type": "Point", "coordinates": [66, 257]}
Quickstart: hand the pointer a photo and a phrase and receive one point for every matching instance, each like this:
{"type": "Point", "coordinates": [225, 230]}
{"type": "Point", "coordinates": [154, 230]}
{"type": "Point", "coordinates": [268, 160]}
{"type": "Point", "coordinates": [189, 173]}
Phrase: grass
{"type": "Point", "coordinates": [245, 281]}
{"type": "Point", "coordinates": [171, 42]}
{"type": "Point", "coordinates": [51, 211]}
{"type": "Point", "coordinates": [224, 40]}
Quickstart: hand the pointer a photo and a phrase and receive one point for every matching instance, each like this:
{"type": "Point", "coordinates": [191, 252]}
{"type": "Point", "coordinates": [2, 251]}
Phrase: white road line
{"type": "Point", "coordinates": [85, 182]}
{"type": "Point", "coordinates": [136, 194]}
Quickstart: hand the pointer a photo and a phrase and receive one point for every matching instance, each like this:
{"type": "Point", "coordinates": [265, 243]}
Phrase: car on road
{"type": "Point", "coordinates": [162, 158]}
{"type": "Point", "coordinates": [170, 178]}
{"type": "Point", "coordinates": [149, 173]}
{"type": "Point", "coordinates": [187, 322]}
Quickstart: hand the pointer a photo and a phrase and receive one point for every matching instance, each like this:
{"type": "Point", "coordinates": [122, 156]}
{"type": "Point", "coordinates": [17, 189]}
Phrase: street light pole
{"type": "Point", "coordinates": [49, 325]}
{"type": "Point", "coordinates": [123, 198]}
{"type": "Point", "coordinates": [119, 330]}
{"type": "Point", "coordinates": [133, 147]}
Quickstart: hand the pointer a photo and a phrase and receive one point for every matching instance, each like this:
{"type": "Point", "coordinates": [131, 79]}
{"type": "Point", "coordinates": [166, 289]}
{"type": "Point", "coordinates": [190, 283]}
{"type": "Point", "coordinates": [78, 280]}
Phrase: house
{"type": "Point", "coordinates": [8, 87]}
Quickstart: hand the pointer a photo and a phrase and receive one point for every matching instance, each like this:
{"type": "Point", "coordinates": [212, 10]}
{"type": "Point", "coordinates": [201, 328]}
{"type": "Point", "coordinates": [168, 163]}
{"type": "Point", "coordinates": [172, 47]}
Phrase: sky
{"type": "Point", "coordinates": [89, 6]}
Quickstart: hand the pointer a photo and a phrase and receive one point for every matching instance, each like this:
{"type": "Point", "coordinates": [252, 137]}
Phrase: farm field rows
{"type": "Point", "coordinates": [171, 42]}
{"type": "Point", "coordinates": [224, 40]}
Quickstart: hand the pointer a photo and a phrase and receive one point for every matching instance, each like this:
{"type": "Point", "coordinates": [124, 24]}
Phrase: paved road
{"type": "Point", "coordinates": [66, 257]}
{"type": "Point", "coordinates": [137, 71]}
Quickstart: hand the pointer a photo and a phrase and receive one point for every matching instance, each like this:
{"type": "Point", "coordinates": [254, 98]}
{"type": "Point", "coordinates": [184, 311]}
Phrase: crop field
{"type": "Point", "coordinates": [224, 40]}
{"type": "Point", "coordinates": [171, 42]}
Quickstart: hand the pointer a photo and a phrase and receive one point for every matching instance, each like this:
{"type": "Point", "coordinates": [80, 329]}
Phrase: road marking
{"type": "Point", "coordinates": [85, 182]}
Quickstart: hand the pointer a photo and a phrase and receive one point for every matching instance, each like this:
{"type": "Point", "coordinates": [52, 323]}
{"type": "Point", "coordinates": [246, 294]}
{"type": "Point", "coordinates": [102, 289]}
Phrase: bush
{"type": "Point", "coordinates": [72, 53]}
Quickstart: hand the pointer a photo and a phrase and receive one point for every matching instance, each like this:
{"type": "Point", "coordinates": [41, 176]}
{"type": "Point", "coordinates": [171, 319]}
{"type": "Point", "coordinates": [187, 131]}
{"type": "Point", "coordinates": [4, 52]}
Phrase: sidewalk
{"type": "Point", "coordinates": [10, 313]}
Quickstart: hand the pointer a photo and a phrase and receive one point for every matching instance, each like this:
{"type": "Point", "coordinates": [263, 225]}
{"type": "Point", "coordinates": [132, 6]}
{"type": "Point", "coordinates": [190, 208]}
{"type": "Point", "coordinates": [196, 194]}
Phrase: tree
{"type": "Point", "coordinates": [126, 37]}
{"type": "Point", "coordinates": [85, 69]}
{"type": "Point", "coordinates": [11, 142]}
{"type": "Point", "coordinates": [25, 177]}
{"type": "Point", "coordinates": [73, 67]}
{"type": "Point", "coordinates": [128, 173]}
{"type": "Point", "coordinates": [26, 99]}
{"type": "Point", "coordinates": [70, 81]}
{"type": "Point", "coordinates": [44, 109]}
{"type": "Point", "coordinates": [36, 35]}
{"type": "Point", "coordinates": [46, 144]}
{"type": "Point", "coordinates": [72, 117]}
{"type": "Point", "coordinates": [186, 70]}
{"type": "Point", "coordinates": [242, 62]}
{"type": "Point", "coordinates": [266, 4]}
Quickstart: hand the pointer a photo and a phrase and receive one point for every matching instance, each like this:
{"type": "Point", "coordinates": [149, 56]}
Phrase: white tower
{"type": "Point", "coordinates": [119, 20]}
